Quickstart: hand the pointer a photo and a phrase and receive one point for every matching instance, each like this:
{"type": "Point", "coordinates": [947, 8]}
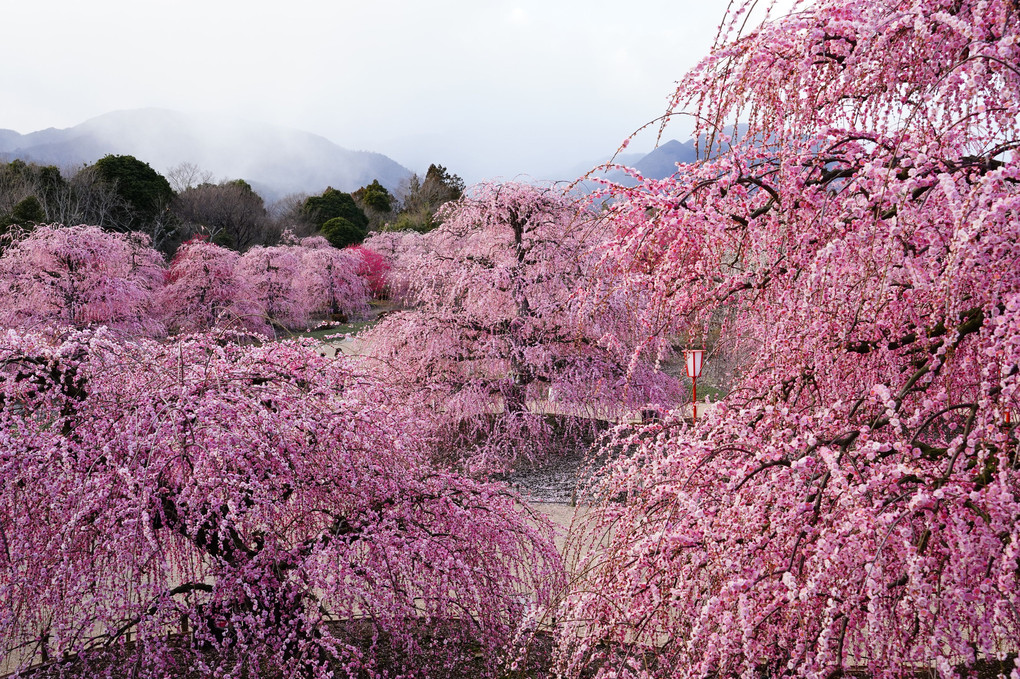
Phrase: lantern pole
{"type": "Point", "coordinates": [694, 362]}
{"type": "Point", "coordinates": [694, 400]}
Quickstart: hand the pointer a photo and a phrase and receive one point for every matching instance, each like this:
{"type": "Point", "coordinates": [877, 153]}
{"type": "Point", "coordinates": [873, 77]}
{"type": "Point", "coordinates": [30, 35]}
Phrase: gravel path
{"type": "Point", "coordinates": [552, 481]}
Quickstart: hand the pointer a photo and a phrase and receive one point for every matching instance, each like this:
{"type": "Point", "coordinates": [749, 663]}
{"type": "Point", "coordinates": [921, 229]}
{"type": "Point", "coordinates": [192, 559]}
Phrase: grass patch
{"type": "Point", "coordinates": [709, 392]}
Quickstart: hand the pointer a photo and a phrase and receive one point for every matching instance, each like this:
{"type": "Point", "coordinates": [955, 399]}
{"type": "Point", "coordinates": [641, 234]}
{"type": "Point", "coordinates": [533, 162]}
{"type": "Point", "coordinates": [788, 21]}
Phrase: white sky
{"type": "Point", "coordinates": [489, 88]}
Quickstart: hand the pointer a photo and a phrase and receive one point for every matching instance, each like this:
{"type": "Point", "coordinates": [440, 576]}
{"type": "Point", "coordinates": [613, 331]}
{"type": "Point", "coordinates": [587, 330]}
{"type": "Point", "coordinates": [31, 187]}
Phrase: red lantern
{"type": "Point", "coordinates": [694, 362]}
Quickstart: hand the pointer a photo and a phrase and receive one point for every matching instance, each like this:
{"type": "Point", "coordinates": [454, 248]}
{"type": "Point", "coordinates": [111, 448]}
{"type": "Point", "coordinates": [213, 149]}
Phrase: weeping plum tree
{"type": "Point", "coordinates": [493, 336]}
{"type": "Point", "coordinates": [209, 286]}
{"type": "Point", "coordinates": [203, 291]}
{"type": "Point", "coordinates": [80, 276]}
{"type": "Point", "coordinates": [330, 279]}
{"type": "Point", "coordinates": [401, 250]}
{"type": "Point", "coordinates": [854, 502]}
{"type": "Point", "coordinates": [271, 273]}
{"type": "Point", "coordinates": [230, 510]}
{"type": "Point", "coordinates": [293, 283]}
{"type": "Point", "coordinates": [83, 276]}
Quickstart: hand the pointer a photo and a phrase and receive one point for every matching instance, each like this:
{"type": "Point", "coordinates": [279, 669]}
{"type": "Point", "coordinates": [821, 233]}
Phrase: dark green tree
{"type": "Point", "coordinates": [374, 197]}
{"type": "Point", "coordinates": [342, 232]}
{"type": "Point", "coordinates": [420, 198]}
{"type": "Point", "coordinates": [442, 185]}
{"type": "Point", "coordinates": [377, 203]}
{"type": "Point", "coordinates": [332, 204]}
{"type": "Point", "coordinates": [29, 212]}
{"type": "Point", "coordinates": [50, 181]}
{"type": "Point", "coordinates": [146, 193]}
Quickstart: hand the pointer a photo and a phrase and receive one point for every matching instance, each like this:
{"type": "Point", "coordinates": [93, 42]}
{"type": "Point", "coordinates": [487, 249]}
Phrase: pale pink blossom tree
{"type": "Point", "coordinates": [196, 506]}
{"type": "Point", "coordinates": [80, 276]}
{"type": "Point", "coordinates": [330, 279]}
{"type": "Point", "coordinates": [493, 337]}
{"type": "Point", "coordinates": [271, 273]}
{"type": "Point", "coordinates": [854, 503]}
{"type": "Point", "coordinates": [202, 291]}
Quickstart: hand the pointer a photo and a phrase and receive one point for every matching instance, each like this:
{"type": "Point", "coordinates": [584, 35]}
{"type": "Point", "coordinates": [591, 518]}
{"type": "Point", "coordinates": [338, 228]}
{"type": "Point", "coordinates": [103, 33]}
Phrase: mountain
{"type": "Point", "coordinates": [274, 160]}
{"type": "Point", "coordinates": [659, 163]}
{"type": "Point", "coordinates": [662, 161]}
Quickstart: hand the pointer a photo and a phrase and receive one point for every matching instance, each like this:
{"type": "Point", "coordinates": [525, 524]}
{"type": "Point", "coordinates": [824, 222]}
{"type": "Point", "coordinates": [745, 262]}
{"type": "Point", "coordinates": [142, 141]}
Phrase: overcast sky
{"type": "Point", "coordinates": [487, 88]}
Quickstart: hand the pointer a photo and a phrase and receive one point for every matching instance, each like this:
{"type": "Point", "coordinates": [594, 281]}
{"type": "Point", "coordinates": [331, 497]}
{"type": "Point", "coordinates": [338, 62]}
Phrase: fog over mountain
{"type": "Point", "coordinates": [274, 160]}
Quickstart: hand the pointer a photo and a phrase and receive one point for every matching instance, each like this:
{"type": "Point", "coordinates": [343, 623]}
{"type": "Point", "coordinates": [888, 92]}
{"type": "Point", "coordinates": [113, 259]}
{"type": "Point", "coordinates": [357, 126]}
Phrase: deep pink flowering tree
{"type": "Point", "coordinates": [202, 291]}
{"type": "Point", "coordinates": [330, 279]}
{"type": "Point", "coordinates": [236, 510]}
{"type": "Point", "coordinates": [374, 268]}
{"type": "Point", "coordinates": [493, 338]}
{"type": "Point", "coordinates": [855, 501]}
{"type": "Point", "coordinates": [80, 276]}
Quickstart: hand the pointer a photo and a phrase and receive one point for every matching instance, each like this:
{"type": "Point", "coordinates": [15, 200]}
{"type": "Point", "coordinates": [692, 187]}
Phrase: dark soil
{"type": "Point", "coordinates": [436, 658]}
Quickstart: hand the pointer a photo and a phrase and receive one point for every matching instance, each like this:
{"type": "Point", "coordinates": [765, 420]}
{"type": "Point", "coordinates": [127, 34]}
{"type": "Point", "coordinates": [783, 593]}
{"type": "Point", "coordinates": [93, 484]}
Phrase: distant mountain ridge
{"type": "Point", "coordinates": [661, 162]}
{"type": "Point", "coordinates": [275, 160]}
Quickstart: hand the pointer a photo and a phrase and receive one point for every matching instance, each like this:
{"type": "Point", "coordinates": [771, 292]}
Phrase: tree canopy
{"type": "Point", "coordinates": [26, 190]}
{"type": "Point", "coordinates": [80, 276]}
{"type": "Point", "coordinates": [28, 212]}
{"type": "Point", "coordinates": [493, 332]}
{"type": "Point", "coordinates": [264, 503]}
{"type": "Point", "coordinates": [374, 196]}
{"type": "Point", "coordinates": [342, 232]}
{"type": "Point", "coordinates": [145, 192]}
{"type": "Point", "coordinates": [230, 213]}
{"type": "Point", "coordinates": [420, 199]}
{"type": "Point", "coordinates": [332, 204]}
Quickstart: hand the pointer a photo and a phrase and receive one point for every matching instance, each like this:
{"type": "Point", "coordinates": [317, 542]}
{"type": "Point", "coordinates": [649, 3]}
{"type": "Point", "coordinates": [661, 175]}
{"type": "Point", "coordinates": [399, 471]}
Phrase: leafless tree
{"type": "Point", "coordinates": [230, 214]}
{"type": "Point", "coordinates": [186, 176]}
{"type": "Point", "coordinates": [287, 215]}
{"type": "Point", "coordinates": [86, 199]}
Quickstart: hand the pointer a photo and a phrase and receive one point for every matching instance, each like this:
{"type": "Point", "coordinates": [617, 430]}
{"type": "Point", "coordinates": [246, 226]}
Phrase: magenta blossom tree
{"type": "Point", "coordinates": [201, 507]}
{"type": "Point", "coordinates": [374, 269]}
{"type": "Point", "coordinates": [853, 504]}
{"type": "Point", "coordinates": [493, 337]}
{"type": "Point", "coordinates": [80, 276]}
